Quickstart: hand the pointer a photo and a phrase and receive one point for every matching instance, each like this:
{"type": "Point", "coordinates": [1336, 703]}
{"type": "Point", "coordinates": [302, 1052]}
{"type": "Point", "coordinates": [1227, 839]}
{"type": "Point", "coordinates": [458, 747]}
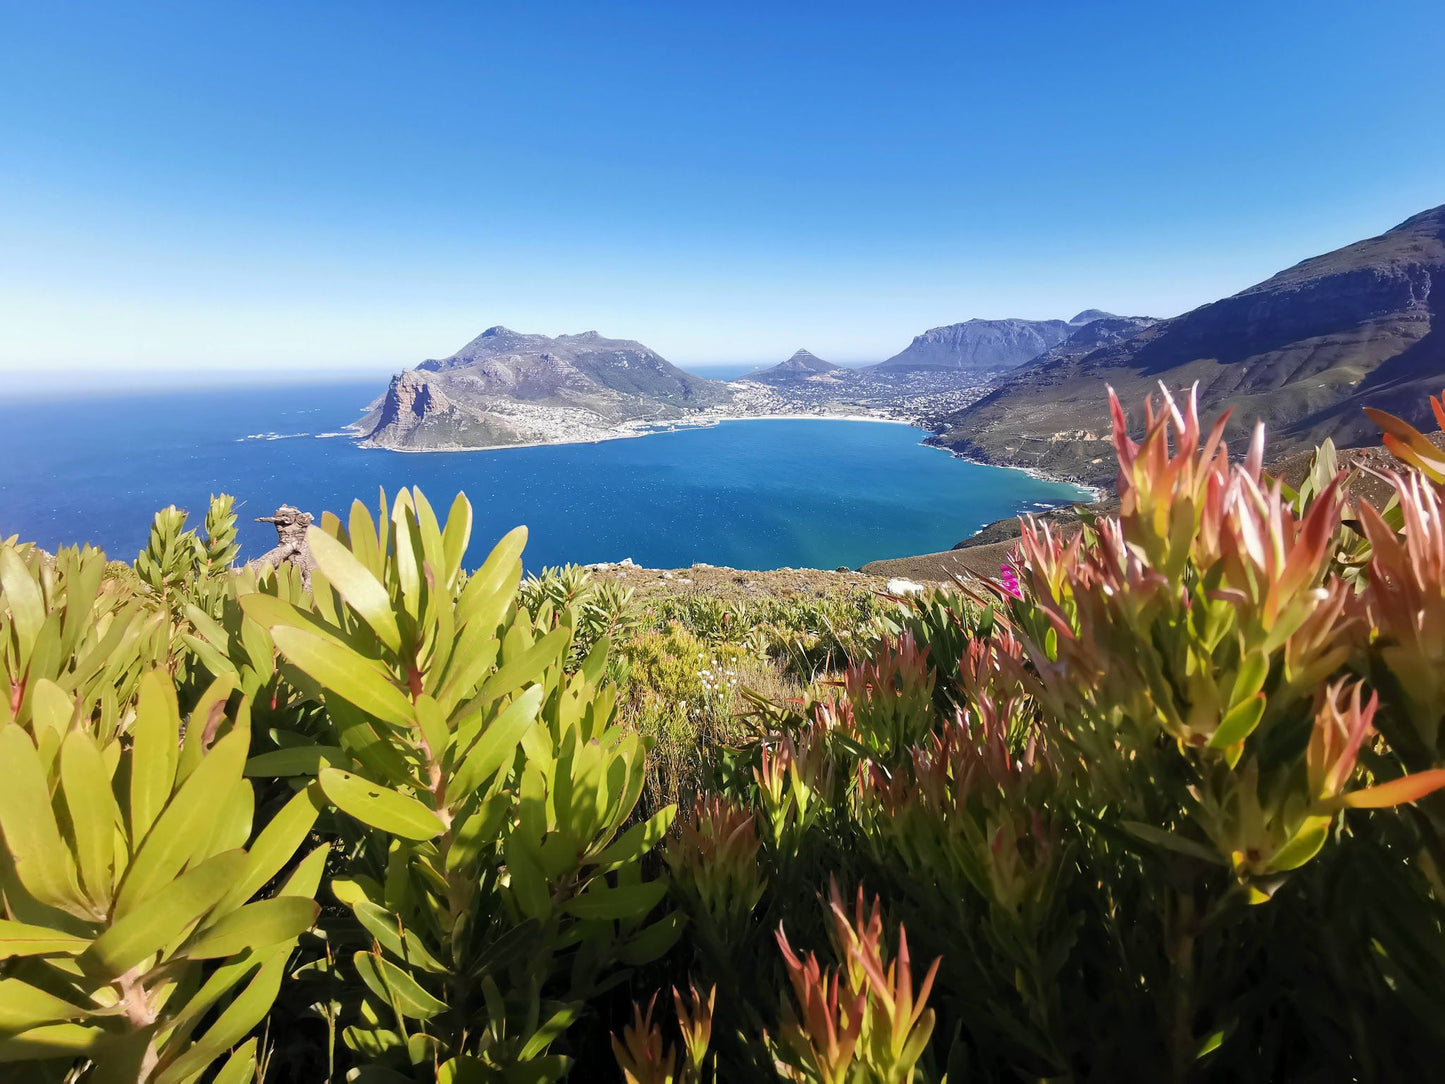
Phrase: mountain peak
{"type": "Point", "coordinates": [800, 366]}
{"type": "Point", "coordinates": [1088, 316]}
{"type": "Point", "coordinates": [569, 383]}
{"type": "Point", "coordinates": [977, 345]}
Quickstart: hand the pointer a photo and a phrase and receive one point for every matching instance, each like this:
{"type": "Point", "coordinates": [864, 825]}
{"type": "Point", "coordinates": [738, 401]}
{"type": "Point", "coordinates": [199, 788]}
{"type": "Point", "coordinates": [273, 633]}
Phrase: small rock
{"type": "Point", "coordinates": [904, 587]}
{"type": "Point", "coordinates": [627, 562]}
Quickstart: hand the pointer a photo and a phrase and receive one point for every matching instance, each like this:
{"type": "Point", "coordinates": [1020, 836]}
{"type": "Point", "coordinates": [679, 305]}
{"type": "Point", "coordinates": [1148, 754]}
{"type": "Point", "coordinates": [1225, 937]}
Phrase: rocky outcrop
{"type": "Point", "coordinates": [1303, 350]}
{"type": "Point", "coordinates": [982, 345]}
{"type": "Point", "coordinates": [506, 387]}
{"type": "Point", "coordinates": [409, 399]}
{"type": "Point", "coordinates": [1099, 332]}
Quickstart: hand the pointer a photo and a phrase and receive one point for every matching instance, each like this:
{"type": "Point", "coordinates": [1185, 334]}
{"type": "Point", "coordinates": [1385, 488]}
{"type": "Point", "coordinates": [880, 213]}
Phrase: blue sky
{"type": "Point", "coordinates": [194, 189]}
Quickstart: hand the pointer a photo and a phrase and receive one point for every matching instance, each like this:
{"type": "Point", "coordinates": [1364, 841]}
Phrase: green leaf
{"type": "Point", "coordinates": [155, 753]}
{"type": "Point", "coordinates": [24, 1006]}
{"type": "Point", "coordinates": [1238, 723]}
{"type": "Point", "coordinates": [276, 845]}
{"type": "Point", "coordinates": [23, 939]}
{"type": "Point", "coordinates": [405, 562]}
{"type": "Point", "coordinates": [256, 926]}
{"type": "Point", "coordinates": [477, 832]}
{"type": "Point", "coordinates": [207, 724]}
{"type": "Point", "coordinates": [1150, 834]}
{"type": "Point", "coordinates": [51, 708]}
{"type": "Point", "coordinates": [361, 534]}
{"type": "Point", "coordinates": [343, 673]}
{"type": "Point", "coordinates": [240, 1067]}
{"type": "Point", "coordinates": [1303, 845]}
{"type": "Point", "coordinates": [457, 534]}
{"type": "Point", "coordinates": [247, 1010]}
{"type": "Point", "coordinates": [653, 942]}
{"type": "Point", "coordinates": [527, 881]}
{"type": "Point", "coordinates": [430, 536]}
{"type": "Point", "coordinates": [50, 1041]}
{"type": "Point", "coordinates": [269, 612]}
{"type": "Point", "coordinates": [296, 760]}
{"type": "Point", "coordinates": [22, 598]}
{"type": "Point", "coordinates": [374, 1045]}
{"type": "Point", "coordinates": [623, 902]}
{"type": "Point", "coordinates": [42, 860]}
{"type": "Point", "coordinates": [527, 667]}
{"type": "Point", "coordinates": [355, 583]}
{"type": "Point", "coordinates": [550, 1031]}
{"type": "Point", "coordinates": [497, 745]}
{"type": "Point", "coordinates": [637, 840]}
{"type": "Point", "coordinates": [305, 879]}
{"type": "Point", "coordinates": [164, 919]}
{"type": "Point", "coordinates": [432, 722]}
{"type": "Point", "coordinates": [1253, 669]}
{"type": "Point", "coordinates": [493, 573]}
{"type": "Point", "coordinates": [396, 987]}
{"type": "Point", "coordinates": [395, 939]}
{"type": "Point", "coordinates": [93, 813]}
{"type": "Point", "coordinates": [184, 828]}
{"type": "Point", "coordinates": [380, 807]}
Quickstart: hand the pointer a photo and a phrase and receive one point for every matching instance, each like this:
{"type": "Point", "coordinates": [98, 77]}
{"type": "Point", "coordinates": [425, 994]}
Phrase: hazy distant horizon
{"type": "Point", "coordinates": [42, 383]}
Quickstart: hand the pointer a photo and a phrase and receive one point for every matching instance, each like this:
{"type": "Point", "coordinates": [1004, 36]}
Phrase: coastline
{"type": "Point", "coordinates": [628, 431]}
{"type": "Point", "coordinates": [1096, 493]}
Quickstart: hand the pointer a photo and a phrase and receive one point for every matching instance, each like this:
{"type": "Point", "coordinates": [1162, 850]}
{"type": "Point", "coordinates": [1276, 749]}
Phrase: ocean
{"type": "Point", "coordinates": [745, 494]}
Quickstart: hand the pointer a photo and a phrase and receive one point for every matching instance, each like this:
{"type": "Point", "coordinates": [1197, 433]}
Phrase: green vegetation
{"type": "Point", "coordinates": [1161, 804]}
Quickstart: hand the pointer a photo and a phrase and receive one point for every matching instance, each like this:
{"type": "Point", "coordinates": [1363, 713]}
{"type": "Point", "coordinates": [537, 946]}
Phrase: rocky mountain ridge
{"type": "Point", "coordinates": [980, 345]}
{"type": "Point", "coordinates": [508, 387]}
{"type": "Point", "coordinates": [1304, 351]}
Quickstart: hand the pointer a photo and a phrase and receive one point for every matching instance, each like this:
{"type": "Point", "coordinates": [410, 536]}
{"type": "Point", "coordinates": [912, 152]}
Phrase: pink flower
{"type": "Point", "coordinates": [1009, 581]}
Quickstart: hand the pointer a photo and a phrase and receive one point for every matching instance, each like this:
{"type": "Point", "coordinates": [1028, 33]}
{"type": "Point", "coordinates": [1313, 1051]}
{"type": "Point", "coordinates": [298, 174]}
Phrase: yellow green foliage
{"type": "Point", "coordinates": [1163, 804]}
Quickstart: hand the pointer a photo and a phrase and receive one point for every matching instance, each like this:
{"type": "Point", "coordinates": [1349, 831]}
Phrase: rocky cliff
{"type": "Point", "coordinates": [983, 344]}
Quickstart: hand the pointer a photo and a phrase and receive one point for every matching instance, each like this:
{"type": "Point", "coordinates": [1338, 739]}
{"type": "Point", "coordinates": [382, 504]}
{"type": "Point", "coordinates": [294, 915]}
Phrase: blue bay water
{"type": "Point", "coordinates": [752, 494]}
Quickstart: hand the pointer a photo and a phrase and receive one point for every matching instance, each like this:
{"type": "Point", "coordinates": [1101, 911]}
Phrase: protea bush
{"type": "Point", "coordinates": [1161, 803]}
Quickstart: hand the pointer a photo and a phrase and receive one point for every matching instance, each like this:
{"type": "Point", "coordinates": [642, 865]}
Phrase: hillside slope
{"type": "Point", "coordinates": [1304, 350]}
{"type": "Point", "coordinates": [803, 365]}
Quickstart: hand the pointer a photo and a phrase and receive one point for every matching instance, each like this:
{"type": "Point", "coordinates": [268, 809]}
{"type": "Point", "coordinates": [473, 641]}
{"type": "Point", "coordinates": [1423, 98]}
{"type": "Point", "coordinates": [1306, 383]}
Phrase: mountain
{"type": "Point", "coordinates": [506, 387]}
{"type": "Point", "coordinates": [1363, 325]}
{"type": "Point", "coordinates": [1097, 332]}
{"type": "Point", "coordinates": [801, 366]}
{"type": "Point", "coordinates": [983, 344]}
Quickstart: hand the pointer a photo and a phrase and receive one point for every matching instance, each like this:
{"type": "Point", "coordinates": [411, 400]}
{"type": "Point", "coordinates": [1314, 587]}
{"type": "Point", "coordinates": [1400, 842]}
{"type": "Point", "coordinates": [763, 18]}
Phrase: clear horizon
{"type": "Point", "coordinates": [193, 196]}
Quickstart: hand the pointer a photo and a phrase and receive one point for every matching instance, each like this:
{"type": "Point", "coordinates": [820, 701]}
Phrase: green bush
{"type": "Point", "coordinates": [1163, 805]}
